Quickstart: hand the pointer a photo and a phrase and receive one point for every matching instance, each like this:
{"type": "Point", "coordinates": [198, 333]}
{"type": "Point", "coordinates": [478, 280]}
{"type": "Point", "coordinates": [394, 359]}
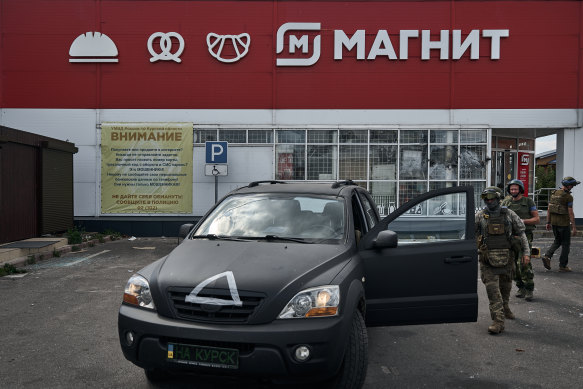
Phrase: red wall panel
{"type": "Point", "coordinates": [540, 65]}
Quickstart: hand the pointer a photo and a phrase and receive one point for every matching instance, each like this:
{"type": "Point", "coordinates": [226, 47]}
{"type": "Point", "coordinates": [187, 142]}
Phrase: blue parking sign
{"type": "Point", "coordinates": [216, 152]}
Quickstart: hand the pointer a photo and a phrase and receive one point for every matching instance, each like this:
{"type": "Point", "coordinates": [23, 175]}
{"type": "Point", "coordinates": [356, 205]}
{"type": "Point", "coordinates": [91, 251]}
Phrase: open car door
{"type": "Point", "coordinates": [428, 271]}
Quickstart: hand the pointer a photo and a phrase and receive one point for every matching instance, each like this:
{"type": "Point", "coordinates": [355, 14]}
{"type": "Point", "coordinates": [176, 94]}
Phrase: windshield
{"type": "Point", "coordinates": [259, 216]}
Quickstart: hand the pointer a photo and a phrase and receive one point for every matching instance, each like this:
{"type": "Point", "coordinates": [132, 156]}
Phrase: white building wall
{"type": "Point", "coordinates": [81, 127]}
{"type": "Point", "coordinates": [570, 163]}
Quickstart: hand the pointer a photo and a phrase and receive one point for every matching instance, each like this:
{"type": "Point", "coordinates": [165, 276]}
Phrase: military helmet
{"type": "Point", "coordinates": [570, 181]}
{"type": "Point", "coordinates": [515, 182]}
{"type": "Point", "coordinates": [491, 192]}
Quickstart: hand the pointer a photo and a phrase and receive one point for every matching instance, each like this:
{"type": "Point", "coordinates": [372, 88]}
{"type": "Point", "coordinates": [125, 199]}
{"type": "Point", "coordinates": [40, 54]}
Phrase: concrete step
{"type": "Point", "coordinates": [16, 251]}
{"type": "Point", "coordinates": [541, 232]}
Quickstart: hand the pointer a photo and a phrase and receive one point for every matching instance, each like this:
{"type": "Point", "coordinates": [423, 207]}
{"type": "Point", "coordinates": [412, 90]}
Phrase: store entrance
{"type": "Point", "coordinates": [504, 167]}
{"type": "Point", "coordinates": [512, 158]}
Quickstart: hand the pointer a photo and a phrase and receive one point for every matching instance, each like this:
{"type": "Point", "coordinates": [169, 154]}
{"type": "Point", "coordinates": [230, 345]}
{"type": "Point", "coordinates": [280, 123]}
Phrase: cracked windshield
{"type": "Point", "coordinates": [291, 217]}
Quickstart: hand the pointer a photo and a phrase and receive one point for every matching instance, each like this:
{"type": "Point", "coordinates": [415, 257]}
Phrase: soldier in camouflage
{"type": "Point", "coordinates": [496, 230]}
{"type": "Point", "coordinates": [525, 208]}
{"type": "Point", "coordinates": [561, 218]}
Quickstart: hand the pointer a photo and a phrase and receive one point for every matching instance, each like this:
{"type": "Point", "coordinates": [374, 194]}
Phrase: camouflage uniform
{"type": "Point", "coordinates": [498, 279]}
{"type": "Point", "coordinates": [524, 276]}
{"type": "Point", "coordinates": [558, 214]}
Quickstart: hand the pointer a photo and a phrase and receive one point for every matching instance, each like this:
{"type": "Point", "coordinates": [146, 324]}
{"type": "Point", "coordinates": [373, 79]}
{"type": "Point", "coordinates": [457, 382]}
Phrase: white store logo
{"type": "Point", "coordinates": [166, 47]}
{"type": "Point", "coordinates": [98, 47]}
{"type": "Point", "coordinates": [93, 47]}
{"type": "Point", "coordinates": [298, 43]}
{"type": "Point", "coordinates": [240, 44]}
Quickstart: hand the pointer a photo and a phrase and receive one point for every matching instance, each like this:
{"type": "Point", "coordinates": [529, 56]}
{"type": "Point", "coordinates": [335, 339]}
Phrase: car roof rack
{"type": "Point", "coordinates": [256, 183]}
{"type": "Point", "coordinates": [338, 184]}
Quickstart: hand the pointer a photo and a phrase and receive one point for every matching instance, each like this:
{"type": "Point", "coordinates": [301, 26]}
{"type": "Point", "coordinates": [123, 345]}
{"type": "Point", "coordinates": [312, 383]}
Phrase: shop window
{"type": "Point", "coordinates": [472, 162]}
{"type": "Point", "coordinates": [383, 162]}
{"type": "Point", "coordinates": [413, 136]}
{"type": "Point", "coordinates": [322, 136]}
{"type": "Point", "coordinates": [479, 187]}
{"type": "Point", "coordinates": [362, 184]}
{"type": "Point", "coordinates": [473, 136]}
{"type": "Point", "coordinates": [353, 136]}
{"type": "Point", "coordinates": [353, 162]}
{"type": "Point", "coordinates": [443, 136]}
{"type": "Point", "coordinates": [290, 163]}
{"type": "Point", "coordinates": [384, 195]}
{"type": "Point", "coordinates": [322, 162]}
{"type": "Point", "coordinates": [394, 172]}
{"type": "Point", "coordinates": [410, 190]}
{"type": "Point", "coordinates": [260, 136]}
{"type": "Point", "coordinates": [201, 136]}
{"type": "Point", "coordinates": [434, 185]}
{"type": "Point", "coordinates": [233, 136]}
{"type": "Point", "coordinates": [384, 136]}
{"type": "Point", "coordinates": [443, 162]}
{"type": "Point", "coordinates": [413, 163]}
{"type": "Point", "coordinates": [291, 136]}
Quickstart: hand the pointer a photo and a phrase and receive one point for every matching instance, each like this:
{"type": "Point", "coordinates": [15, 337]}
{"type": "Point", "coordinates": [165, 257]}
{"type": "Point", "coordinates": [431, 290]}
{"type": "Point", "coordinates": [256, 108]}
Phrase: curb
{"type": "Point", "coordinates": [35, 258]}
{"type": "Point", "coordinates": [549, 234]}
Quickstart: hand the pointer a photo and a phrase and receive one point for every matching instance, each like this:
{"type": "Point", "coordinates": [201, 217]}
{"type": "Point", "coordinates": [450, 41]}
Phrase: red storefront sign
{"type": "Point", "coordinates": [291, 54]}
{"type": "Point", "coordinates": [285, 166]}
{"type": "Point", "coordinates": [524, 170]}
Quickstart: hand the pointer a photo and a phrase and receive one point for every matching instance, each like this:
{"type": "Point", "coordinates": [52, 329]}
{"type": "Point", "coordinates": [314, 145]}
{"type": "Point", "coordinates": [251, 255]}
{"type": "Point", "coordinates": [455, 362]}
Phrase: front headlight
{"type": "Point", "coordinates": [137, 292]}
{"type": "Point", "coordinates": [313, 302]}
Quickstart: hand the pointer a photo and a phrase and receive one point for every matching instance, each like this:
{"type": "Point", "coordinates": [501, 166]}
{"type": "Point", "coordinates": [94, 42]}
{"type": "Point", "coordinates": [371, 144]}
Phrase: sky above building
{"type": "Point", "coordinates": [545, 143]}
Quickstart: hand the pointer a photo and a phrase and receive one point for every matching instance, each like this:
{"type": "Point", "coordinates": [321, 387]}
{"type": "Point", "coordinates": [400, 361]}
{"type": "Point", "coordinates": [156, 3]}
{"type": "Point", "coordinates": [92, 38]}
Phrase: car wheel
{"type": "Point", "coordinates": [353, 370]}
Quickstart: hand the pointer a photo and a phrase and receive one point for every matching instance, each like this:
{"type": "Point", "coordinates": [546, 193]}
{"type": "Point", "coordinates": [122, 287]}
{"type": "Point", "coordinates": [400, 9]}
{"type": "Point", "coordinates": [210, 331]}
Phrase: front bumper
{"type": "Point", "coordinates": [265, 350]}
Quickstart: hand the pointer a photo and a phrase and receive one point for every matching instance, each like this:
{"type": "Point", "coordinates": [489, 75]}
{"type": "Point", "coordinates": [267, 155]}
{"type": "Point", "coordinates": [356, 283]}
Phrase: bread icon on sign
{"type": "Point", "coordinates": [228, 48]}
{"type": "Point", "coordinates": [93, 47]}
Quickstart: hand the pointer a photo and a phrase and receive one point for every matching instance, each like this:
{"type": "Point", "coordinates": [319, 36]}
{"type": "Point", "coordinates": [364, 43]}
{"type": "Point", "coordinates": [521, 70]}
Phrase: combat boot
{"type": "Point", "coordinates": [528, 295]}
{"type": "Point", "coordinates": [496, 327]}
{"type": "Point", "coordinates": [508, 313]}
{"type": "Point", "coordinates": [546, 262]}
{"type": "Point", "coordinates": [521, 293]}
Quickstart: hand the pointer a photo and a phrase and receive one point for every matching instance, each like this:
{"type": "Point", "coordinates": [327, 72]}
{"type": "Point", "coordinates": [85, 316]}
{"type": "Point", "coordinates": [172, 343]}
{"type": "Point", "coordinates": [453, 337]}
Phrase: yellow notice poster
{"type": "Point", "coordinates": [146, 168]}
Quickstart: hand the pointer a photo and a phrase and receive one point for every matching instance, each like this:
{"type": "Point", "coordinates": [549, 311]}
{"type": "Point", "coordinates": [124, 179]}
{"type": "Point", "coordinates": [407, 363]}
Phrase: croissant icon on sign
{"type": "Point", "coordinates": [216, 44]}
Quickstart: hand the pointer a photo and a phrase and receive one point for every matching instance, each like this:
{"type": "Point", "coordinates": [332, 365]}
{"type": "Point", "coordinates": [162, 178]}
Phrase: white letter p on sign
{"type": "Point", "coordinates": [216, 150]}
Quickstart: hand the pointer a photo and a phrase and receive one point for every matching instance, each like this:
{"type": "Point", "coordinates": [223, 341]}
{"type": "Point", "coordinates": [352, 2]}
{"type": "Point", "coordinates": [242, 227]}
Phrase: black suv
{"type": "Point", "coordinates": [279, 280]}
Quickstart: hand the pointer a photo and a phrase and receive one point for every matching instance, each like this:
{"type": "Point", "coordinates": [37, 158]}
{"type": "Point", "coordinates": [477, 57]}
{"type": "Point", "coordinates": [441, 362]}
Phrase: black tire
{"type": "Point", "coordinates": [353, 370]}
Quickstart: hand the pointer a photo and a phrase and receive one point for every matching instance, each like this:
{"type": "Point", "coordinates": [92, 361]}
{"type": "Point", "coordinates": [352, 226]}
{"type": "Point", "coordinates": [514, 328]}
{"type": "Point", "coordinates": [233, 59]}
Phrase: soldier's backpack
{"type": "Point", "coordinates": [558, 202]}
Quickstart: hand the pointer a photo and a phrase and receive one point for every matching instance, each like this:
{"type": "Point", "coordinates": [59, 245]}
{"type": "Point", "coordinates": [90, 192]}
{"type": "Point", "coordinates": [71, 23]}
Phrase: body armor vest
{"type": "Point", "coordinates": [558, 202]}
{"type": "Point", "coordinates": [498, 231]}
{"type": "Point", "coordinates": [522, 209]}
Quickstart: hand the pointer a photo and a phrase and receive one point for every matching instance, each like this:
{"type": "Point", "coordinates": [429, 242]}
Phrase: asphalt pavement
{"type": "Point", "coordinates": [542, 348]}
{"type": "Point", "coordinates": [59, 330]}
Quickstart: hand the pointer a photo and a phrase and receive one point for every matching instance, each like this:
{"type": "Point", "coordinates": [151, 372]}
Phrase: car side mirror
{"type": "Point", "coordinates": [184, 230]}
{"type": "Point", "coordinates": [386, 239]}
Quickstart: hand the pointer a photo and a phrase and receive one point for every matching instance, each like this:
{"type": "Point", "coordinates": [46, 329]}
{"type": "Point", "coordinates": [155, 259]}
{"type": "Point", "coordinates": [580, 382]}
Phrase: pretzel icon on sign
{"type": "Point", "coordinates": [166, 46]}
{"type": "Point", "coordinates": [238, 41]}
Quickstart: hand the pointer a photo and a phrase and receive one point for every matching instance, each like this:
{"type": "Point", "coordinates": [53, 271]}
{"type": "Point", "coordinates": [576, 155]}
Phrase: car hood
{"type": "Point", "coordinates": [257, 266]}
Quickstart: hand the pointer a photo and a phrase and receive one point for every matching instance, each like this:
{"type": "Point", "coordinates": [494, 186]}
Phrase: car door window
{"type": "Point", "coordinates": [369, 211]}
{"type": "Point", "coordinates": [428, 272]}
{"type": "Point", "coordinates": [440, 218]}
{"type": "Point", "coordinates": [360, 226]}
